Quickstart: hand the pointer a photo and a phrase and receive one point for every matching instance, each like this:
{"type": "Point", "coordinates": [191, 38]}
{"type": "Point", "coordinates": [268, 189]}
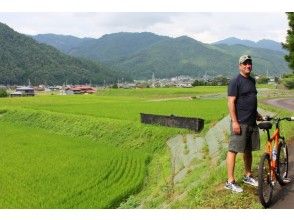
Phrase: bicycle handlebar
{"type": "Point", "coordinates": [269, 118]}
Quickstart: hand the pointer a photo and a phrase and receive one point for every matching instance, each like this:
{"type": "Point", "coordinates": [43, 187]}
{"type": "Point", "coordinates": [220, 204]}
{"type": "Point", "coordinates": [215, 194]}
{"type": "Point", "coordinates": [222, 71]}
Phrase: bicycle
{"type": "Point", "coordinates": [273, 166]}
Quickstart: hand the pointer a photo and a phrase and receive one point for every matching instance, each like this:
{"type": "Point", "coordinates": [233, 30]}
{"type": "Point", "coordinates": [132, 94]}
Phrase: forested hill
{"type": "Point", "coordinates": [142, 54]}
{"type": "Point", "coordinates": [23, 59]}
{"type": "Point", "coordinates": [266, 44]}
{"type": "Point", "coordinates": [108, 48]}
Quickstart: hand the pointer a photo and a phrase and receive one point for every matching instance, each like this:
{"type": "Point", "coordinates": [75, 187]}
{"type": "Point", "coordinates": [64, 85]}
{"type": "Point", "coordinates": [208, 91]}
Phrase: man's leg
{"type": "Point", "coordinates": [247, 156]}
{"type": "Point", "coordinates": [248, 179]}
{"type": "Point", "coordinates": [231, 159]}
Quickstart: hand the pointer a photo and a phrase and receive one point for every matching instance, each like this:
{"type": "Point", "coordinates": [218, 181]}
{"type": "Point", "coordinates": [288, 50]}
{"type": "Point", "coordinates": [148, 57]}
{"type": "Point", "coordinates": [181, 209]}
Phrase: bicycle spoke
{"type": "Point", "coordinates": [265, 188]}
{"type": "Point", "coordinates": [282, 163]}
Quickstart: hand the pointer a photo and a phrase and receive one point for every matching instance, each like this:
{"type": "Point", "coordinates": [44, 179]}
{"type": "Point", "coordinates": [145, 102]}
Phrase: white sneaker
{"type": "Point", "coordinates": [250, 181]}
{"type": "Point", "coordinates": [233, 187]}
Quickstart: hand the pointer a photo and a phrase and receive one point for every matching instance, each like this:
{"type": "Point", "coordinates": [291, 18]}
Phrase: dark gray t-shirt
{"type": "Point", "coordinates": [246, 103]}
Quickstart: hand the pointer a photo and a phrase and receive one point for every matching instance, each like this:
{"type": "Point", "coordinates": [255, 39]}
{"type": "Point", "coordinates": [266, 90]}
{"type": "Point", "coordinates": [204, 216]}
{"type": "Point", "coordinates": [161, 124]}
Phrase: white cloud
{"type": "Point", "coordinates": [205, 27]}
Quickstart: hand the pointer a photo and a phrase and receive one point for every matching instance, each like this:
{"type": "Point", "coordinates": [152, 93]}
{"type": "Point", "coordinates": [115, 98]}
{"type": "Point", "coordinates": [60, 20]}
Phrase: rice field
{"type": "Point", "coordinates": [88, 151]}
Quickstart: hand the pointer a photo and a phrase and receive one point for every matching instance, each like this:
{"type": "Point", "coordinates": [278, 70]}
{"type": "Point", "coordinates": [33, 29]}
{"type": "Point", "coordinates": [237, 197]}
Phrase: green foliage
{"type": "Point", "coordinates": [23, 59]}
{"type": "Point", "coordinates": [288, 81]}
{"type": "Point", "coordinates": [3, 93]}
{"type": "Point", "coordinates": [289, 45]}
{"type": "Point", "coordinates": [198, 83]}
{"type": "Point", "coordinates": [141, 54]}
{"type": "Point", "coordinates": [262, 80]}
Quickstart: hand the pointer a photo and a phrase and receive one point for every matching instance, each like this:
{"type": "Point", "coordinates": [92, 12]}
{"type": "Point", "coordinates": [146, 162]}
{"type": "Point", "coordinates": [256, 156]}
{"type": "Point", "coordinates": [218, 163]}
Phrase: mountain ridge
{"type": "Point", "coordinates": [142, 54]}
{"type": "Point", "coordinates": [264, 43]}
{"type": "Point", "coordinates": [23, 59]}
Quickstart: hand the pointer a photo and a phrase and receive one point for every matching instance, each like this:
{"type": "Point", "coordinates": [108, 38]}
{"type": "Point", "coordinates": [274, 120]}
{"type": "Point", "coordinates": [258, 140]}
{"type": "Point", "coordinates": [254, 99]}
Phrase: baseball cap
{"type": "Point", "coordinates": [243, 58]}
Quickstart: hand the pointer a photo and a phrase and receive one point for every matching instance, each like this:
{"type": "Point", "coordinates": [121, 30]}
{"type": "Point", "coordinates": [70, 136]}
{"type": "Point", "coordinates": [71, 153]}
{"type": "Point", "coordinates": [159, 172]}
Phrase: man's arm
{"type": "Point", "coordinates": [233, 114]}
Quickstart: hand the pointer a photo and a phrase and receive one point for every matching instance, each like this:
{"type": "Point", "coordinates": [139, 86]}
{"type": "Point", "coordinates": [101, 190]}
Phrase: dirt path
{"type": "Point", "coordinates": [287, 103]}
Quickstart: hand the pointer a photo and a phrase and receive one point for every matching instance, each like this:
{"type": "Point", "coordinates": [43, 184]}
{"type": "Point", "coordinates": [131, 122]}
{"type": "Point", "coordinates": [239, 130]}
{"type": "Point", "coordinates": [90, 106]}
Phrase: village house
{"type": "Point", "coordinates": [23, 91]}
{"type": "Point", "coordinates": [80, 89]}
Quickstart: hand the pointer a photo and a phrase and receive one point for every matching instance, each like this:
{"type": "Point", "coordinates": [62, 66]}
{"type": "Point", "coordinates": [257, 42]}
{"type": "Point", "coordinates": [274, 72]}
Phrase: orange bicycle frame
{"type": "Point", "coordinates": [269, 149]}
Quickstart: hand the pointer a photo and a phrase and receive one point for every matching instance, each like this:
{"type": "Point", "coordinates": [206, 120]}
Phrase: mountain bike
{"type": "Point", "coordinates": [273, 166]}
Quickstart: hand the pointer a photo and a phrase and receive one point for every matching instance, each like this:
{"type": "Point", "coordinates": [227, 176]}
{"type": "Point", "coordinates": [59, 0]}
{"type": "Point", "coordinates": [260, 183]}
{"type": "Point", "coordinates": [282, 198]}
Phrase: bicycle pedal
{"type": "Point", "coordinates": [287, 180]}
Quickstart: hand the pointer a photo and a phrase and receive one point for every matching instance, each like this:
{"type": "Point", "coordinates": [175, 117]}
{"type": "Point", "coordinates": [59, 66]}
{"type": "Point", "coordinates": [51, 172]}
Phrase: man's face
{"type": "Point", "coordinates": [246, 67]}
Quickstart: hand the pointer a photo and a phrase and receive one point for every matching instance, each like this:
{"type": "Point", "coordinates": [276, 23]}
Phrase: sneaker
{"type": "Point", "coordinates": [250, 181]}
{"type": "Point", "coordinates": [233, 187]}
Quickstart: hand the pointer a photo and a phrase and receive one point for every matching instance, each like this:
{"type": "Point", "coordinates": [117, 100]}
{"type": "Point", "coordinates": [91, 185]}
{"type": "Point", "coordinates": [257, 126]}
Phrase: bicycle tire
{"type": "Point", "coordinates": [282, 162]}
{"type": "Point", "coordinates": [265, 187]}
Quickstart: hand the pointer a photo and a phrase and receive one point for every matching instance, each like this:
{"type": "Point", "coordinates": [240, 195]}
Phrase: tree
{"type": "Point", "coordinates": [3, 92]}
{"type": "Point", "coordinates": [288, 81]}
{"type": "Point", "coordinates": [262, 80]}
{"type": "Point", "coordinates": [289, 45]}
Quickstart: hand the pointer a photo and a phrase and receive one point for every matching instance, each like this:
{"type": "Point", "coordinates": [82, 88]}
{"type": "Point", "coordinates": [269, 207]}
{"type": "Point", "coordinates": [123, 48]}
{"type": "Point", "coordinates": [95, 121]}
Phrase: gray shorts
{"type": "Point", "coordinates": [248, 140]}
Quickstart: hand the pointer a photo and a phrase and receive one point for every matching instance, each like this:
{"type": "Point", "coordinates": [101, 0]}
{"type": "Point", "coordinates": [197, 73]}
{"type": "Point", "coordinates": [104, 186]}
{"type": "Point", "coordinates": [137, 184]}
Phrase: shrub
{"type": "Point", "coordinates": [288, 81]}
{"type": "Point", "coordinates": [3, 92]}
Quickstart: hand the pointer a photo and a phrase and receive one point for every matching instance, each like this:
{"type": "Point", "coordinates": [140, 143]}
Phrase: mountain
{"type": "Point", "coordinates": [64, 43]}
{"type": "Point", "coordinates": [107, 48]}
{"type": "Point", "coordinates": [141, 54]}
{"type": "Point", "coordinates": [176, 56]}
{"type": "Point", "coordinates": [23, 59]}
{"type": "Point", "coordinates": [265, 44]}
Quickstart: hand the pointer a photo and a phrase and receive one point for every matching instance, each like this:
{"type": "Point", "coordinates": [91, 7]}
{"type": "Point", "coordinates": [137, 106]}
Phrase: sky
{"type": "Point", "coordinates": [207, 21]}
{"type": "Point", "coordinates": [206, 27]}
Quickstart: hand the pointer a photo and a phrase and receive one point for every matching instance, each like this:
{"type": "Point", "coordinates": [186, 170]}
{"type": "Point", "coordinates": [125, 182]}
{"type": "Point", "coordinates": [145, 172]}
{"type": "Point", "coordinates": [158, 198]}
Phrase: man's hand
{"type": "Point", "coordinates": [259, 117]}
{"type": "Point", "coordinates": [236, 127]}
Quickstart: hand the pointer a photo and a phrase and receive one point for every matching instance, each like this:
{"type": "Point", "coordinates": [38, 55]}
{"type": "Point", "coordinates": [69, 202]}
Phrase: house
{"type": "Point", "coordinates": [81, 89]}
{"type": "Point", "coordinates": [23, 91]}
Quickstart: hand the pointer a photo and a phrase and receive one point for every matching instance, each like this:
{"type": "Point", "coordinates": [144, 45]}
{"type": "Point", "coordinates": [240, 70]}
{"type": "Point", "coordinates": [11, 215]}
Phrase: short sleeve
{"type": "Point", "coordinates": [233, 87]}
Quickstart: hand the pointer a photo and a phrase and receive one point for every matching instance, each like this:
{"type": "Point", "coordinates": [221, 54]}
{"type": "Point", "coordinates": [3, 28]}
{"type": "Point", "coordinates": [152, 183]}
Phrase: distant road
{"type": "Point", "coordinates": [287, 103]}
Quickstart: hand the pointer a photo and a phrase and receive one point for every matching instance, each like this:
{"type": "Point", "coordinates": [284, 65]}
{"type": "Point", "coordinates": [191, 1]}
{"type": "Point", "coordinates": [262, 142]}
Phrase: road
{"type": "Point", "coordinates": [287, 103]}
{"type": "Point", "coordinates": [284, 196]}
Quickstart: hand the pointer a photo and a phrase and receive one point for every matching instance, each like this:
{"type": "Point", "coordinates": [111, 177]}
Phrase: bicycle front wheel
{"type": "Point", "coordinates": [282, 163]}
{"type": "Point", "coordinates": [265, 187]}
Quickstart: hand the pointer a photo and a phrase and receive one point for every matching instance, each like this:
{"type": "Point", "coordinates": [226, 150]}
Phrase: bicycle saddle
{"type": "Point", "coordinates": [265, 125]}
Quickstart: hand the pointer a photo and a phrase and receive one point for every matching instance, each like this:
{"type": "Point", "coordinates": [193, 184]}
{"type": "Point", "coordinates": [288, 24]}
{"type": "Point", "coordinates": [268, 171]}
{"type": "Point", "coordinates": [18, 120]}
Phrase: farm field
{"type": "Point", "coordinates": [86, 151]}
{"type": "Point", "coordinates": [41, 170]}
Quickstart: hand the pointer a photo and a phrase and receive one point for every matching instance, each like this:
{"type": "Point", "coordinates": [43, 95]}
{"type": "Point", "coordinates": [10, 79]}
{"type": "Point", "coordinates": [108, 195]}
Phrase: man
{"type": "Point", "coordinates": [242, 105]}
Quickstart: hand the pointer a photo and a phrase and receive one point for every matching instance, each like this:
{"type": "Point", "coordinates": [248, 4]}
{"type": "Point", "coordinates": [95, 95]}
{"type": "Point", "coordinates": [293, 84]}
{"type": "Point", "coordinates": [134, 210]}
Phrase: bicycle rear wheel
{"type": "Point", "coordinates": [265, 187]}
{"type": "Point", "coordinates": [282, 163]}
